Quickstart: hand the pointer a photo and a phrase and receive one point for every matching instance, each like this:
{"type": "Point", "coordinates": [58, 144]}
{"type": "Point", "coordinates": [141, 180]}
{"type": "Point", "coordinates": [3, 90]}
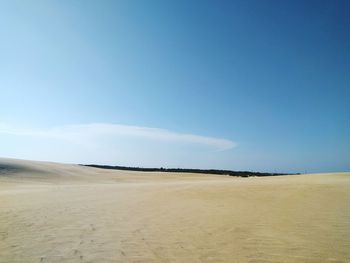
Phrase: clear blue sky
{"type": "Point", "coordinates": [244, 85]}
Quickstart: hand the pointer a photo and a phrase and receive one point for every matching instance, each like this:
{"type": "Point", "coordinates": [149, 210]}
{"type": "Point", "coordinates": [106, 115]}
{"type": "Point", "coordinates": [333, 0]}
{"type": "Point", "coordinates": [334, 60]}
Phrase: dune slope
{"type": "Point", "coordinates": [67, 213]}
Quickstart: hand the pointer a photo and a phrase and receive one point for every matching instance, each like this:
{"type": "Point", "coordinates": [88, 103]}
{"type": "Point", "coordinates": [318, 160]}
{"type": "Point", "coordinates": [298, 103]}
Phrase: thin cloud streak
{"type": "Point", "coordinates": [91, 134]}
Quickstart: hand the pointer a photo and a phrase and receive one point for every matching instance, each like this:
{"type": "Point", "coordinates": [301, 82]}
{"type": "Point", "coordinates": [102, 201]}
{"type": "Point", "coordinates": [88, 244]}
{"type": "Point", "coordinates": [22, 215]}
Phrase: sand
{"type": "Point", "coordinates": [53, 212]}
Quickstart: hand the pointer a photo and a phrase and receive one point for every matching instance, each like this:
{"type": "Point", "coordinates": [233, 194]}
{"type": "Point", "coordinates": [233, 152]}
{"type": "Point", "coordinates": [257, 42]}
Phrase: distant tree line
{"type": "Point", "coordinates": [182, 170]}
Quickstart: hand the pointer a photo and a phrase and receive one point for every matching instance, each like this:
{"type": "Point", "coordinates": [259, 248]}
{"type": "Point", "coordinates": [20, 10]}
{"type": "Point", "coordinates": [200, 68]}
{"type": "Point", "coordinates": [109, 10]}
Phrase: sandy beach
{"type": "Point", "coordinates": [52, 212]}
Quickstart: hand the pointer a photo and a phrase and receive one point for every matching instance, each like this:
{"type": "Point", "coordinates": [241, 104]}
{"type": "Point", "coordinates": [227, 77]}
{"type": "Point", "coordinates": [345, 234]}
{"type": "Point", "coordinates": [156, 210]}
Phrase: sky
{"type": "Point", "coordinates": [241, 85]}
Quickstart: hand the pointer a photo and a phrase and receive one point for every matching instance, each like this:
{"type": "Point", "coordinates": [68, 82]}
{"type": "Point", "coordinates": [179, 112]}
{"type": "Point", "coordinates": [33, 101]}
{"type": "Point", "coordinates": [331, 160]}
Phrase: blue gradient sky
{"type": "Point", "coordinates": [245, 85]}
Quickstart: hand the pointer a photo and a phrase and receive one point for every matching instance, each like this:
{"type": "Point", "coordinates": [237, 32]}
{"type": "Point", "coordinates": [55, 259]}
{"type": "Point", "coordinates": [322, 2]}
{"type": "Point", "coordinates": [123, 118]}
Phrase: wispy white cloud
{"type": "Point", "coordinates": [91, 134]}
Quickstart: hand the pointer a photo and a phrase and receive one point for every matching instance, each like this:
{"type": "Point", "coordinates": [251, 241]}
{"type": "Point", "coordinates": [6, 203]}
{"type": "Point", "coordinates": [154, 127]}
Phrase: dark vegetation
{"type": "Point", "coordinates": [5, 169]}
{"type": "Point", "coordinates": [181, 170]}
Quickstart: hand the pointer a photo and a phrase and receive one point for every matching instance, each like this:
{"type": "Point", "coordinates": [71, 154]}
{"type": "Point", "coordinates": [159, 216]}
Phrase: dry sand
{"type": "Point", "coordinates": [67, 213]}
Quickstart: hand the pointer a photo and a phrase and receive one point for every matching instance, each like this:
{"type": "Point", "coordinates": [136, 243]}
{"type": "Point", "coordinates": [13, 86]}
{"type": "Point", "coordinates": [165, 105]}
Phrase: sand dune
{"type": "Point", "coordinates": [67, 213]}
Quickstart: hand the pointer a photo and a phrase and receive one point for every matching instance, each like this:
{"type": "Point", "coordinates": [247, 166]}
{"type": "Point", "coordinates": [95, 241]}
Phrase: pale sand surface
{"type": "Point", "coordinates": [67, 213]}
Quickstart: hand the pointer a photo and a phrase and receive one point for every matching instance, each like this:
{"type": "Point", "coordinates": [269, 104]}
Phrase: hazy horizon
{"type": "Point", "coordinates": [238, 85]}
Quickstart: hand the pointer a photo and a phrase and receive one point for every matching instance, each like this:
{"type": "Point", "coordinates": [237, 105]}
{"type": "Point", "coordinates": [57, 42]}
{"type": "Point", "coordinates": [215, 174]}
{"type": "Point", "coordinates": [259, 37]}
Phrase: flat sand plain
{"type": "Point", "coordinates": [53, 212]}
